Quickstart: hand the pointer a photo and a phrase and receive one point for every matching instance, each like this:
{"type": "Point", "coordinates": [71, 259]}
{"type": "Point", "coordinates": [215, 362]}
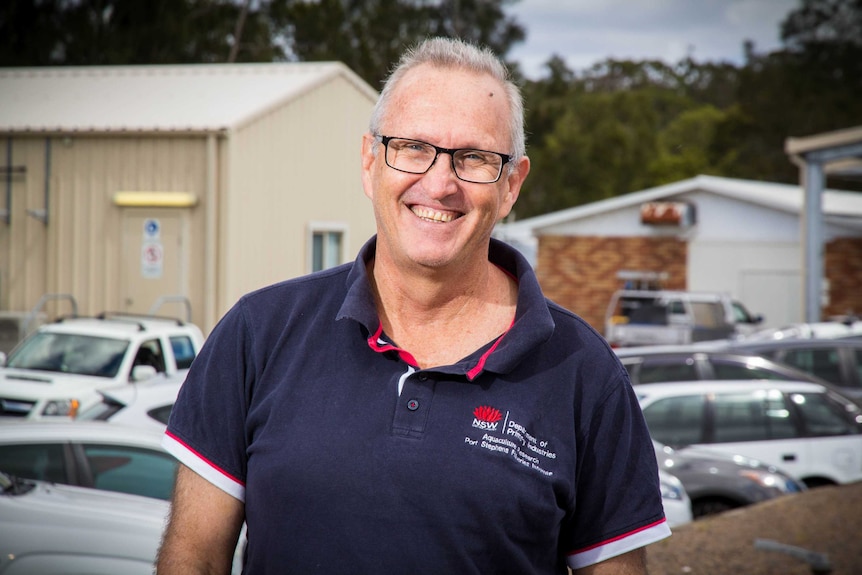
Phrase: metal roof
{"type": "Point", "coordinates": [783, 197]}
{"type": "Point", "coordinates": [169, 98]}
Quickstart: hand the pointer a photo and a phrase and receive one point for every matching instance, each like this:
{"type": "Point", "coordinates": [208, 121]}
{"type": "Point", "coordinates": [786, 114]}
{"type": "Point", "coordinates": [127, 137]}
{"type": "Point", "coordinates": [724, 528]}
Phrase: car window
{"type": "Point", "coordinates": [754, 416]}
{"type": "Point", "coordinates": [822, 362]}
{"type": "Point", "coordinates": [676, 421]}
{"type": "Point", "coordinates": [161, 414]}
{"type": "Point", "coordinates": [724, 369]}
{"type": "Point", "coordinates": [132, 470]}
{"type": "Point", "coordinates": [655, 370]}
{"type": "Point", "coordinates": [645, 311]}
{"type": "Point", "coordinates": [708, 314]}
{"type": "Point", "coordinates": [184, 351]}
{"type": "Point", "coordinates": [857, 363]}
{"type": "Point", "coordinates": [44, 461]}
{"type": "Point", "coordinates": [822, 416]}
{"type": "Point", "coordinates": [150, 353]}
{"type": "Point", "coordinates": [70, 353]}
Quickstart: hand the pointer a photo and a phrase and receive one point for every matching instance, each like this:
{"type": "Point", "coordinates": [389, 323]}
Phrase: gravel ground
{"type": "Point", "coordinates": [826, 520]}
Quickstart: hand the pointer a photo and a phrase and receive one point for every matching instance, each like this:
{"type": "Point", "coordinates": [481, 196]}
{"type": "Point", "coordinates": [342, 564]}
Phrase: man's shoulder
{"type": "Point", "coordinates": [317, 285]}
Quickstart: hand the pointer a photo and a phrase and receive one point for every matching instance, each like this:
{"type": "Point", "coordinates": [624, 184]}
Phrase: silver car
{"type": "Point", "coordinates": [50, 529]}
{"type": "Point", "coordinates": [717, 482]}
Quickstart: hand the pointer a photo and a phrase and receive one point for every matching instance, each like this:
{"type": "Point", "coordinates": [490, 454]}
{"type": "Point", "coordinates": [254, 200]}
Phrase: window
{"type": "Point", "coordinates": [755, 416]}
{"type": "Point", "coordinates": [327, 246]}
{"type": "Point", "coordinates": [676, 421]}
{"type": "Point", "coordinates": [43, 461]}
{"type": "Point", "coordinates": [184, 351]}
{"type": "Point", "coordinates": [822, 416]}
{"type": "Point", "coordinates": [659, 370]}
{"type": "Point", "coordinates": [822, 362]}
{"type": "Point", "coordinates": [150, 353]}
{"type": "Point", "coordinates": [132, 470]}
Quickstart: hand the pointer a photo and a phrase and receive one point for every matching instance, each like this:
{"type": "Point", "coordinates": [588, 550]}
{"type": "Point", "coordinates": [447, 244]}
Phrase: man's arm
{"type": "Point", "coordinates": [204, 526]}
{"type": "Point", "coordinates": [631, 563]}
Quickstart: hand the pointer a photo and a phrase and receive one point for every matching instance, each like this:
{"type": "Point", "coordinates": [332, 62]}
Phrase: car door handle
{"type": "Point", "coordinates": [788, 457]}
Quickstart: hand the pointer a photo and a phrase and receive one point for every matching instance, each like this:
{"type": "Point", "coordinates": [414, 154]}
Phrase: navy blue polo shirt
{"type": "Point", "coordinates": [529, 455]}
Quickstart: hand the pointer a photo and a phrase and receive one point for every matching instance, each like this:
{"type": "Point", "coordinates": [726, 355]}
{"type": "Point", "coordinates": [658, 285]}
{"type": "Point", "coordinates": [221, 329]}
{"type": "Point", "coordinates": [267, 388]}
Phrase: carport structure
{"type": "Point", "coordinates": [830, 153]}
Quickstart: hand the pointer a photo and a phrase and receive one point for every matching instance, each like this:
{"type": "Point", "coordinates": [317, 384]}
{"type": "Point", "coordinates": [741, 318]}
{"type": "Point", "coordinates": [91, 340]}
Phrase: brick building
{"type": "Point", "coordinates": [703, 234]}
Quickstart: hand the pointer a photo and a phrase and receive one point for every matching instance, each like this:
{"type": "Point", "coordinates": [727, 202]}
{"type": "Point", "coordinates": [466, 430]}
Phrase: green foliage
{"type": "Point", "coordinates": [614, 128]}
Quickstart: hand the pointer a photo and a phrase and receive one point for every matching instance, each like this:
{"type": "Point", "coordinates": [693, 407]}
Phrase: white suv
{"type": "Point", "coordinates": [56, 371]}
{"type": "Point", "coordinates": [803, 428]}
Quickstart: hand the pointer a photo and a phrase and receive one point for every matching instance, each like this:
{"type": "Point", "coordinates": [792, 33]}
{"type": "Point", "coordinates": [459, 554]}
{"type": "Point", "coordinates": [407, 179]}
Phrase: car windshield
{"type": "Point", "coordinates": [70, 353]}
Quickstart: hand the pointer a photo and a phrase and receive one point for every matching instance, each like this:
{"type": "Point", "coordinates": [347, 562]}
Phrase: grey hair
{"type": "Point", "coordinates": [456, 53]}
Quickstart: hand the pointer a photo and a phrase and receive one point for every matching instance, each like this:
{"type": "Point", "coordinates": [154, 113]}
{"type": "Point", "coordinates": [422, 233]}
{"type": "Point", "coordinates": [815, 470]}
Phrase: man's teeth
{"type": "Point", "coordinates": [433, 216]}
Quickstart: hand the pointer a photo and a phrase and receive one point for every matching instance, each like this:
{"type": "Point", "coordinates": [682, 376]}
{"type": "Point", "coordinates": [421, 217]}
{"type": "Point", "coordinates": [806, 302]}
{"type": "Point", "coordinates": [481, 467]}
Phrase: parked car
{"type": "Point", "coordinates": [146, 404]}
{"type": "Point", "coordinates": [50, 529]}
{"type": "Point", "coordinates": [843, 327]}
{"type": "Point", "coordinates": [838, 361]}
{"type": "Point", "coordinates": [96, 455]}
{"type": "Point", "coordinates": [803, 428]}
{"type": "Point", "coordinates": [677, 505]}
{"type": "Point", "coordinates": [666, 363]}
{"type": "Point", "coordinates": [56, 371]}
{"type": "Point", "coordinates": [656, 317]}
{"type": "Point", "coordinates": [716, 482]}
{"type": "Point", "coordinates": [88, 454]}
{"type": "Point", "coordinates": [744, 321]}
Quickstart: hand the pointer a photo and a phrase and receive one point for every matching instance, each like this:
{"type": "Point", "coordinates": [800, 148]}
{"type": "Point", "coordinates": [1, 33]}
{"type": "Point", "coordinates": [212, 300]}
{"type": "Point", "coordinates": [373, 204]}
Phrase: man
{"type": "Point", "coordinates": [425, 409]}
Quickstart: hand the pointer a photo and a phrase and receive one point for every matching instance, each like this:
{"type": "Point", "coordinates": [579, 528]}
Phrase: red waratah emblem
{"type": "Point", "coordinates": [486, 413]}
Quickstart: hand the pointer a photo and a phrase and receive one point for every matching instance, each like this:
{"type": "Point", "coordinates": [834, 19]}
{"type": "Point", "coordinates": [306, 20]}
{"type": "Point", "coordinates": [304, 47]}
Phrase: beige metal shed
{"type": "Point", "coordinates": [123, 185]}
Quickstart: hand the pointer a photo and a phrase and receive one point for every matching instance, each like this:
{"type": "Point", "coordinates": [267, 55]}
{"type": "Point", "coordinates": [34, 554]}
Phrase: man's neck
{"type": "Point", "coordinates": [440, 316]}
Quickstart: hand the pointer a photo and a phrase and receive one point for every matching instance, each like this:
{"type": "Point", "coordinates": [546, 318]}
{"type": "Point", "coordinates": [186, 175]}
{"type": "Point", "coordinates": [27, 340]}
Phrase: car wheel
{"type": "Point", "coordinates": [704, 507]}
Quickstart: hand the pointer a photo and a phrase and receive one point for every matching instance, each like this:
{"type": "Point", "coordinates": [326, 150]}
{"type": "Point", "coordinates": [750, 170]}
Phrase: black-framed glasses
{"type": "Point", "coordinates": [417, 157]}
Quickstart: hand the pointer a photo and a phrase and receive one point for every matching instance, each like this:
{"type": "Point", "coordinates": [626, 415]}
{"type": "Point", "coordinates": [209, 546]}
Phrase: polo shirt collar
{"type": "Point", "coordinates": [533, 324]}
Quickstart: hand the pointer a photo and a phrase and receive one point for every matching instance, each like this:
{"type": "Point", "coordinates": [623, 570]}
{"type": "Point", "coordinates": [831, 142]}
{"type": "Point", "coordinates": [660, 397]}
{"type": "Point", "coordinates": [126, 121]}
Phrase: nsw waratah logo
{"type": "Point", "coordinates": [485, 417]}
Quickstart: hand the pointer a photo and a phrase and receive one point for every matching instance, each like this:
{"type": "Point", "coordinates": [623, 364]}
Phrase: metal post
{"type": "Point", "coordinates": [812, 224]}
{"type": "Point", "coordinates": [819, 562]}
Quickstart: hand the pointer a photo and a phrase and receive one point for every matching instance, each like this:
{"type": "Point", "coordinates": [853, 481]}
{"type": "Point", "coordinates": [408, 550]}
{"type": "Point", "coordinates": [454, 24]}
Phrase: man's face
{"type": "Point", "coordinates": [434, 219]}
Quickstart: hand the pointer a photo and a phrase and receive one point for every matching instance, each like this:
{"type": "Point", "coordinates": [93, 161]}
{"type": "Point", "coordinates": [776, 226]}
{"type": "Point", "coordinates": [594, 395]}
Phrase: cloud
{"type": "Point", "coordinates": [585, 32]}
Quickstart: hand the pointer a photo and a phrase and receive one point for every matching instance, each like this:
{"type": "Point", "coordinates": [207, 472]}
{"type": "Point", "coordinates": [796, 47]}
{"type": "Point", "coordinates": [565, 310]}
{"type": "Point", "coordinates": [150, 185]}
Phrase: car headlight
{"type": "Point", "coordinates": [671, 489]}
{"type": "Point", "coordinates": [61, 408]}
{"type": "Point", "coordinates": [772, 480]}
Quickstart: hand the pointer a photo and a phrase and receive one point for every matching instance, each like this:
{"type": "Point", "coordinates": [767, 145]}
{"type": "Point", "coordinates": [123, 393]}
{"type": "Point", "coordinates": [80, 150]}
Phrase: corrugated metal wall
{"type": "Point", "coordinates": [297, 164]}
{"type": "Point", "coordinates": [79, 250]}
{"type": "Point", "coordinates": [300, 163]}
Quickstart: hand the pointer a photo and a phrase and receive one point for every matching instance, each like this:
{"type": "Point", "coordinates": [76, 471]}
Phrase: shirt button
{"type": "Point", "coordinates": [423, 377]}
{"type": "Point", "coordinates": [412, 404]}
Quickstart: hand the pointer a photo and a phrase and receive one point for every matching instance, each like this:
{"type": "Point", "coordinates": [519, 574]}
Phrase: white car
{"type": "Point", "coordinates": [677, 506]}
{"type": "Point", "coordinates": [56, 371]}
{"type": "Point", "coordinates": [88, 454]}
{"type": "Point", "coordinates": [812, 433]}
{"type": "Point", "coordinates": [146, 404]}
{"type": "Point", "coordinates": [101, 456]}
{"type": "Point", "coordinates": [48, 529]}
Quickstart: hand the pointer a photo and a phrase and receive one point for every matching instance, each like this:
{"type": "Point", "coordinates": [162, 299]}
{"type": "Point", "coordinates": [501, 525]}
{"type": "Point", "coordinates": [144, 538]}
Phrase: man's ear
{"type": "Point", "coordinates": [514, 181]}
{"type": "Point", "coordinates": [368, 158]}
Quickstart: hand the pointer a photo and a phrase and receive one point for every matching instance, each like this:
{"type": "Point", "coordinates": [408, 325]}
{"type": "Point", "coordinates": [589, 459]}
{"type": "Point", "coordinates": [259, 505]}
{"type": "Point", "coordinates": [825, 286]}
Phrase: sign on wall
{"type": "Point", "coordinates": [152, 250]}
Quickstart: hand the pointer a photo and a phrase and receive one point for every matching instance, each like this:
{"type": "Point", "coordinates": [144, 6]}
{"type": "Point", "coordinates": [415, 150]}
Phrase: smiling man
{"type": "Point", "coordinates": [424, 409]}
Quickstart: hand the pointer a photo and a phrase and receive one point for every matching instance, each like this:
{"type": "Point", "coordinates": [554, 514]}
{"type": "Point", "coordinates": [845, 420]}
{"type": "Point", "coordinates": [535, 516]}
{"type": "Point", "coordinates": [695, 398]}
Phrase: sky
{"type": "Point", "coordinates": [584, 32]}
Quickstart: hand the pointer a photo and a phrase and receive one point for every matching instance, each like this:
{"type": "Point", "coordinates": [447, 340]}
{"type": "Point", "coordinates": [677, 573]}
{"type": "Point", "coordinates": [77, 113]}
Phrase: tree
{"type": "Point", "coordinates": [810, 86]}
{"type": "Point", "coordinates": [369, 35]}
{"type": "Point", "coordinates": [92, 32]}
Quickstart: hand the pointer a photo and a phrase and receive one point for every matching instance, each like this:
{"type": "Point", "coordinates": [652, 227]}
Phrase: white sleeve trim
{"type": "Point", "coordinates": [203, 467]}
{"type": "Point", "coordinates": [618, 546]}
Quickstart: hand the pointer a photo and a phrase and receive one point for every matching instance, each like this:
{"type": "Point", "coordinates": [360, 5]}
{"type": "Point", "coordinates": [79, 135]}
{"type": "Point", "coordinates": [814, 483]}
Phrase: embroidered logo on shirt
{"type": "Point", "coordinates": [511, 439]}
{"type": "Point", "coordinates": [486, 417]}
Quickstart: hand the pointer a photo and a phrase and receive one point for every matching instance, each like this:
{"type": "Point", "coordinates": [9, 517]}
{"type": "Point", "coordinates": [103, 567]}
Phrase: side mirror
{"type": "Point", "coordinates": [143, 372]}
